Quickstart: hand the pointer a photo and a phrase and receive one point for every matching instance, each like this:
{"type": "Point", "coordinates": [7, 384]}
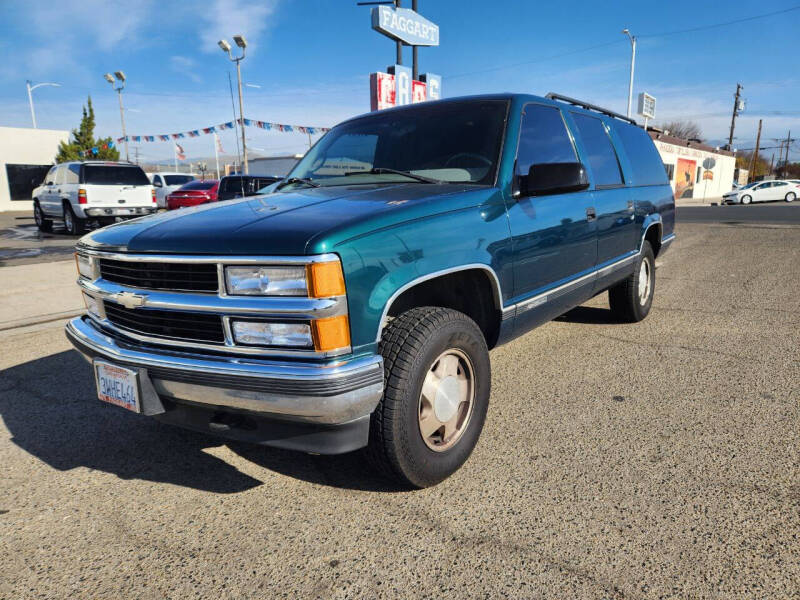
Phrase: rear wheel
{"type": "Point", "coordinates": [747, 199]}
{"type": "Point", "coordinates": [44, 225]}
{"type": "Point", "coordinates": [74, 225]}
{"type": "Point", "coordinates": [631, 299]}
{"type": "Point", "coordinates": [790, 197]}
{"type": "Point", "coordinates": [436, 394]}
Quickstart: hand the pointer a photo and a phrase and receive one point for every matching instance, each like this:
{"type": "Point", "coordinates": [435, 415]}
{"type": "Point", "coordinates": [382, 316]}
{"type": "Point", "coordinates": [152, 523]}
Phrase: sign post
{"type": "Point", "coordinates": [647, 107]}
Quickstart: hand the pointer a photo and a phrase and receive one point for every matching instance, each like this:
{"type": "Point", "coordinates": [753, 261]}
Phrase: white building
{"type": "Point", "coordinates": [695, 170]}
{"type": "Point", "coordinates": [25, 157]}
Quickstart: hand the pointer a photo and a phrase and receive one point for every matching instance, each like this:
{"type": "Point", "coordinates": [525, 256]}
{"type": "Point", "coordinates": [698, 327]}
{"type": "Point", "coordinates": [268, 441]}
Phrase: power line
{"type": "Point", "coordinates": [734, 22]}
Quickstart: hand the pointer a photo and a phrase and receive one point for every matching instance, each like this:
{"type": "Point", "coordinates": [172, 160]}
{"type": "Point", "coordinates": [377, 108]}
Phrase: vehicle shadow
{"type": "Point", "coordinates": [50, 409]}
{"type": "Point", "coordinates": [589, 315]}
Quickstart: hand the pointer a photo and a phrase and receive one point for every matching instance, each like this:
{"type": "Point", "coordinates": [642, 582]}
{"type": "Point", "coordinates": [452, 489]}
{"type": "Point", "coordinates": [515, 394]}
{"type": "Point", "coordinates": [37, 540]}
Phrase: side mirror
{"type": "Point", "coordinates": [554, 178]}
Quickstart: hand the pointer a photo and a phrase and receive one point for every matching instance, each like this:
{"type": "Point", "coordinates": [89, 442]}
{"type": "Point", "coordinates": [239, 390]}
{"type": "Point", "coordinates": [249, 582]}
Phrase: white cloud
{"type": "Point", "coordinates": [226, 18]}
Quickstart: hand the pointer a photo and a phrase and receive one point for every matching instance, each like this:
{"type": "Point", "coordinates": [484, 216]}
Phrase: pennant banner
{"type": "Point", "coordinates": [221, 127]}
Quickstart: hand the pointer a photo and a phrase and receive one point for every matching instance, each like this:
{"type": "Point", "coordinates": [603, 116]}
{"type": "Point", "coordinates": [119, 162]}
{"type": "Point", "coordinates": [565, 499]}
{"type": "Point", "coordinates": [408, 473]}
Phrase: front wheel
{"type": "Point", "coordinates": [746, 199]}
{"type": "Point", "coordinates": [44, 225]}
{"type": "Point", "coordinates": [790, 197]}
{"type": "Point", "coordinates": [436, 394]}
{"type": "Point", "coordinates": [631, 299]}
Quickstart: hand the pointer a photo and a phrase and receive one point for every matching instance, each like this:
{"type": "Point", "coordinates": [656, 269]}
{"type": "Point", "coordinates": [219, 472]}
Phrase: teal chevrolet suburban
{"type": "Point", "coordinates": [354, 305]}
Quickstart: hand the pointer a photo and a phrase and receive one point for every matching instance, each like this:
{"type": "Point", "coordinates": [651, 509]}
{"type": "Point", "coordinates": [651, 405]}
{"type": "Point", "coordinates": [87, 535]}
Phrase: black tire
{"type": "Point", "coordinates": [44, 225]}
{"type": "Point", "coordinates": [410, 346]}
{"type": "Point", "coordinates": [625, 299]}
{"type": "Point", "coordinates": [746, 199]}
{"type": "Point", "coordinates": [790, 197]}
{"type": "Point", "coordinates": [73, 224]}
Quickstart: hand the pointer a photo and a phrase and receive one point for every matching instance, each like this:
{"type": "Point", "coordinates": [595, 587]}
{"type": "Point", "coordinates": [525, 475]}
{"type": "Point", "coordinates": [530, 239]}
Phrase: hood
{"type": "Point", "coordinates": [280, 223]}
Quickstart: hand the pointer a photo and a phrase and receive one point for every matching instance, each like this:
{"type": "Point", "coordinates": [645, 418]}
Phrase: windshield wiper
{"type": "Point", "coordinates": [385, 170]}
{"type": "Point", "coordinates": [292, 180]}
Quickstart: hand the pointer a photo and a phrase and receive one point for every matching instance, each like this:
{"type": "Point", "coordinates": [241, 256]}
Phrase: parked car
{"type": "Point", "coordinates": [239, 186]}
{"type": "Point", "coordinates": [78, 192]}
{"type": "Point", "coordinates": [763, 191]}
{"type": "Point", "coordinates": [166, 183]}
{"type": "Point", "coordinates": [193, 194]}
{"type": "Point", "coordinates": [355, 306]}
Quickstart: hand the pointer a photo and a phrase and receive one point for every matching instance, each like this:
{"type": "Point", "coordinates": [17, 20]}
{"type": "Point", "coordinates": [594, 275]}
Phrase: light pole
{"type": "Point", "coordinates": [226, 47]}
{"type": "Point", "coordinates": [118, 88]}
{"type": "Point", "coordinates": [632, 38]}
{"type": "Point", "coordinates": [30, 96]}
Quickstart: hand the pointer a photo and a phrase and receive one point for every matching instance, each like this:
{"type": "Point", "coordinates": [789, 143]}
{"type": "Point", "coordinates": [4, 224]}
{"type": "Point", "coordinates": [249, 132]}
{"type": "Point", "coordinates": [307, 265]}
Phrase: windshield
{"type": "Point", "coordinates": [199, 185]}
{"type": "Point", "coordinates": [113, 175]}
{"type": "Point", "coordinates": [453, 142]}
{"type": "Point", "coordinates": [748, 186]}
{"type": "Point", "coordinates": [178, 179]}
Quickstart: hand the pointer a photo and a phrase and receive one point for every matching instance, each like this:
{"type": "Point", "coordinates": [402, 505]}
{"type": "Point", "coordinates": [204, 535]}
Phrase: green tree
{"type": "Point", "coordinates": [82, 141]}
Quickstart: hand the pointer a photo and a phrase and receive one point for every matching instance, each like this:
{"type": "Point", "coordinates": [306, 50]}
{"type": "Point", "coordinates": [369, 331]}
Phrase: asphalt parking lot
{"type": "Point", "coordinates": [655, 460]}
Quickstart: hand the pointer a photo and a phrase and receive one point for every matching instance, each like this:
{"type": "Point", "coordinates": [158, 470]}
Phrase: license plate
{"type": "Point", "coordinates": [117, 385]}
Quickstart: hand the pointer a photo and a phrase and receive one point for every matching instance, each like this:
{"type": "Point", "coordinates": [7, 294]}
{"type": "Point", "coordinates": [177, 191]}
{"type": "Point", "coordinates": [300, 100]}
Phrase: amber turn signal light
{"type": "Point", "coordinates": [325, 279]}
{"type": "Point", "coordinates": [331, 333]}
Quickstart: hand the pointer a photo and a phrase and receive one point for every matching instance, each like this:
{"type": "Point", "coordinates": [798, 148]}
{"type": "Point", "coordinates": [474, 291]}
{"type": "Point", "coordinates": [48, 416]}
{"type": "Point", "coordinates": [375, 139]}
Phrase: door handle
{"type": "Point", "coordinates": [591, 215]}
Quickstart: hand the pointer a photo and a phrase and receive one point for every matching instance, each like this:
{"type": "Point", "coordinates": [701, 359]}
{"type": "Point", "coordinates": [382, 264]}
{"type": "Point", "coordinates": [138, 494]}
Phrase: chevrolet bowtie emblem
{"type": "Point", "coordinates": [130, 300]}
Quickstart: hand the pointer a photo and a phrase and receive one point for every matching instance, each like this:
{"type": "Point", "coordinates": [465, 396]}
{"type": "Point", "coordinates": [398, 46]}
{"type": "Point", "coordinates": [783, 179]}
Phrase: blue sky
{"type": "Point", "coordinates": [311, 59]}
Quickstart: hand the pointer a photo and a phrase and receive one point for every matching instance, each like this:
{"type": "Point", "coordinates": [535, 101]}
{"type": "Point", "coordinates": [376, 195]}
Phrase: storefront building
{"type": "Point", "coordinates": [25, 157]}
{"type": "Point", "coordinates": [695, 170]}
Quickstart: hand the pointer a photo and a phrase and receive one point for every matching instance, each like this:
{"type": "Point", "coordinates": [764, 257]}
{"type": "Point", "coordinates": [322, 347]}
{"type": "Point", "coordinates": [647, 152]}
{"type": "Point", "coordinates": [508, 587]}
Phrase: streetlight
{"type": "Point", "coordinates": [118, 88]}
{"type": "Point", "coordinates": [30, 96]}
{"type": "Point", "coordinates": [226, 47]}
{"type": "Point", "coordinates": [632, 38]}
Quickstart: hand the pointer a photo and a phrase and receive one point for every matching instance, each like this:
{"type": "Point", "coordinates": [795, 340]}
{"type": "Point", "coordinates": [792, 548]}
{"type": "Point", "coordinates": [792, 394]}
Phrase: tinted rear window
{"type": "Point", "coordinates": [178, 179]}
{"type": "Point", "coordinates": [113, 175]}
{"type": "Point", "coordinates": [232, 184]}
{"type": "Point", "coordinates": [199, 185]}
{"type": "Point", "coordinates": [642, 154]}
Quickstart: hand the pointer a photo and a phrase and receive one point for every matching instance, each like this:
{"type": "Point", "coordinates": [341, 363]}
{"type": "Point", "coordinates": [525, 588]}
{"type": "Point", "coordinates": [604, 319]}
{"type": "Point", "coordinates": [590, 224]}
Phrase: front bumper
{"type": "Point", "coordinates": [285, 404]}
{"type": "Point", "coordinates": [132, 211]}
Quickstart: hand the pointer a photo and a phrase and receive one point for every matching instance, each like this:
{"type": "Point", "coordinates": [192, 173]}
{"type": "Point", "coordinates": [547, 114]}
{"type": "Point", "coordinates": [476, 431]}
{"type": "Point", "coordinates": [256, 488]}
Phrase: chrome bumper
{"type": "Point", "coordinates": [324, 393]}
{"type": "Point", "coordinates": [134, 211]}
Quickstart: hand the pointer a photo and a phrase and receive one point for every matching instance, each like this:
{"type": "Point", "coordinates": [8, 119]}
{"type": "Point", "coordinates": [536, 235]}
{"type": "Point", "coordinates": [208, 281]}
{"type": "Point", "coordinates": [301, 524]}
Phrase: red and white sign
{"type": "Point", "coordinates": [382, 91]}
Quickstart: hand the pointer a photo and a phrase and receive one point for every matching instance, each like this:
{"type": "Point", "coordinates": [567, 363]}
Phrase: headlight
{"type": "Point", "coordinates": [266, 281]}
{"type": "Point", "coordinates": [259, 333]}
{"type": "Point", "coordinates": [85, 266]}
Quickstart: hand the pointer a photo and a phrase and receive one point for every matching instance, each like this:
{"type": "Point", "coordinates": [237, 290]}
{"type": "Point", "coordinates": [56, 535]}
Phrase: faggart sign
{"type": "Point", "coordinates": [405, 26]}
{"type": "Point", "coordinates": [398, 86]}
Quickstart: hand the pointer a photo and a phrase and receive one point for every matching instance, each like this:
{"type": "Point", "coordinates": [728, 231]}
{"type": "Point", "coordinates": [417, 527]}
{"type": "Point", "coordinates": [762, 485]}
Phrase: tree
{"type": "Point", "coordinates": [82, 142]}
{"type": "Point", "coordinates": [743, 160]}
{"type": "Point", "coordinates": [683, 129]}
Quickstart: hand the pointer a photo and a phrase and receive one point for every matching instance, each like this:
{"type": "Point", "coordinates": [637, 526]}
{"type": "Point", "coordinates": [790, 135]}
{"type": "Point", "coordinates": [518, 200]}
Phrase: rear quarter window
{"type": "Point", "coordinates": [645, 161]}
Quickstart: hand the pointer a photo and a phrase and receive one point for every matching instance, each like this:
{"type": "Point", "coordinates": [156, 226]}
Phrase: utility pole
{"type": "Point", "coordinates": [754, 158]}
{"type": "Point", "coordinates": [632, 38]}
{"type": "Point", "coordinates": [736, 98]}
{"type": "Point", "coordinates": [789, 141]}
{"type": "Point", "coordinates": [772, 164]}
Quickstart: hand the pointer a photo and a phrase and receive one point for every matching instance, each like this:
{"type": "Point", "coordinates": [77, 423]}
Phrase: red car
{"type": "Point", "coordinates": [193, 193]}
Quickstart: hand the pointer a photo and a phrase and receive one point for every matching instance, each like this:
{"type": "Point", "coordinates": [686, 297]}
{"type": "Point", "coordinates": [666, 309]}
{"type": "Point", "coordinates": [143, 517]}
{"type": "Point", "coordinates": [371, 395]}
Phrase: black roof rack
{"type": "Point", "coordinates": [587, 106]}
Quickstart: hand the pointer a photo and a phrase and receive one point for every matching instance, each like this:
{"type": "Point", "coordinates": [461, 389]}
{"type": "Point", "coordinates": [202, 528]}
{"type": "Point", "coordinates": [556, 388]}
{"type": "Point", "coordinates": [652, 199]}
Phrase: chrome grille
{"type": "Point", "coordinates": [176, 325]}
{"type": "Point", "coordinates": [177, 277]}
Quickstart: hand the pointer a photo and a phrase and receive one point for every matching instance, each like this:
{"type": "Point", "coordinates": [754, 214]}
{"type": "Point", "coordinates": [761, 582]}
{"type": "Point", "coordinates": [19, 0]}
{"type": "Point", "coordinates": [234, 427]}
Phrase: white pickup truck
{"type": "Point", "coordinates": [79, 192]}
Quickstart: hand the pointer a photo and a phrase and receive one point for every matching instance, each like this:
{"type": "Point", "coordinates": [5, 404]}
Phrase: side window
{"type": "Point", "coordinates": [60, 174]}
{"type": "Point", "coordinates": [157, 181]}
{"type": "Point", "coordinates": [642, 154]}
{"type": "Point", "coordinates": [778, 184]}
{"type": "Point", "coordinates": [72, 174]}
{"type": "Point", "coordinates": [600, 151]}
{"type": "Point", "coordinates": [543, 139]}
{"type": "Point", "coordinates": [51, 176]}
